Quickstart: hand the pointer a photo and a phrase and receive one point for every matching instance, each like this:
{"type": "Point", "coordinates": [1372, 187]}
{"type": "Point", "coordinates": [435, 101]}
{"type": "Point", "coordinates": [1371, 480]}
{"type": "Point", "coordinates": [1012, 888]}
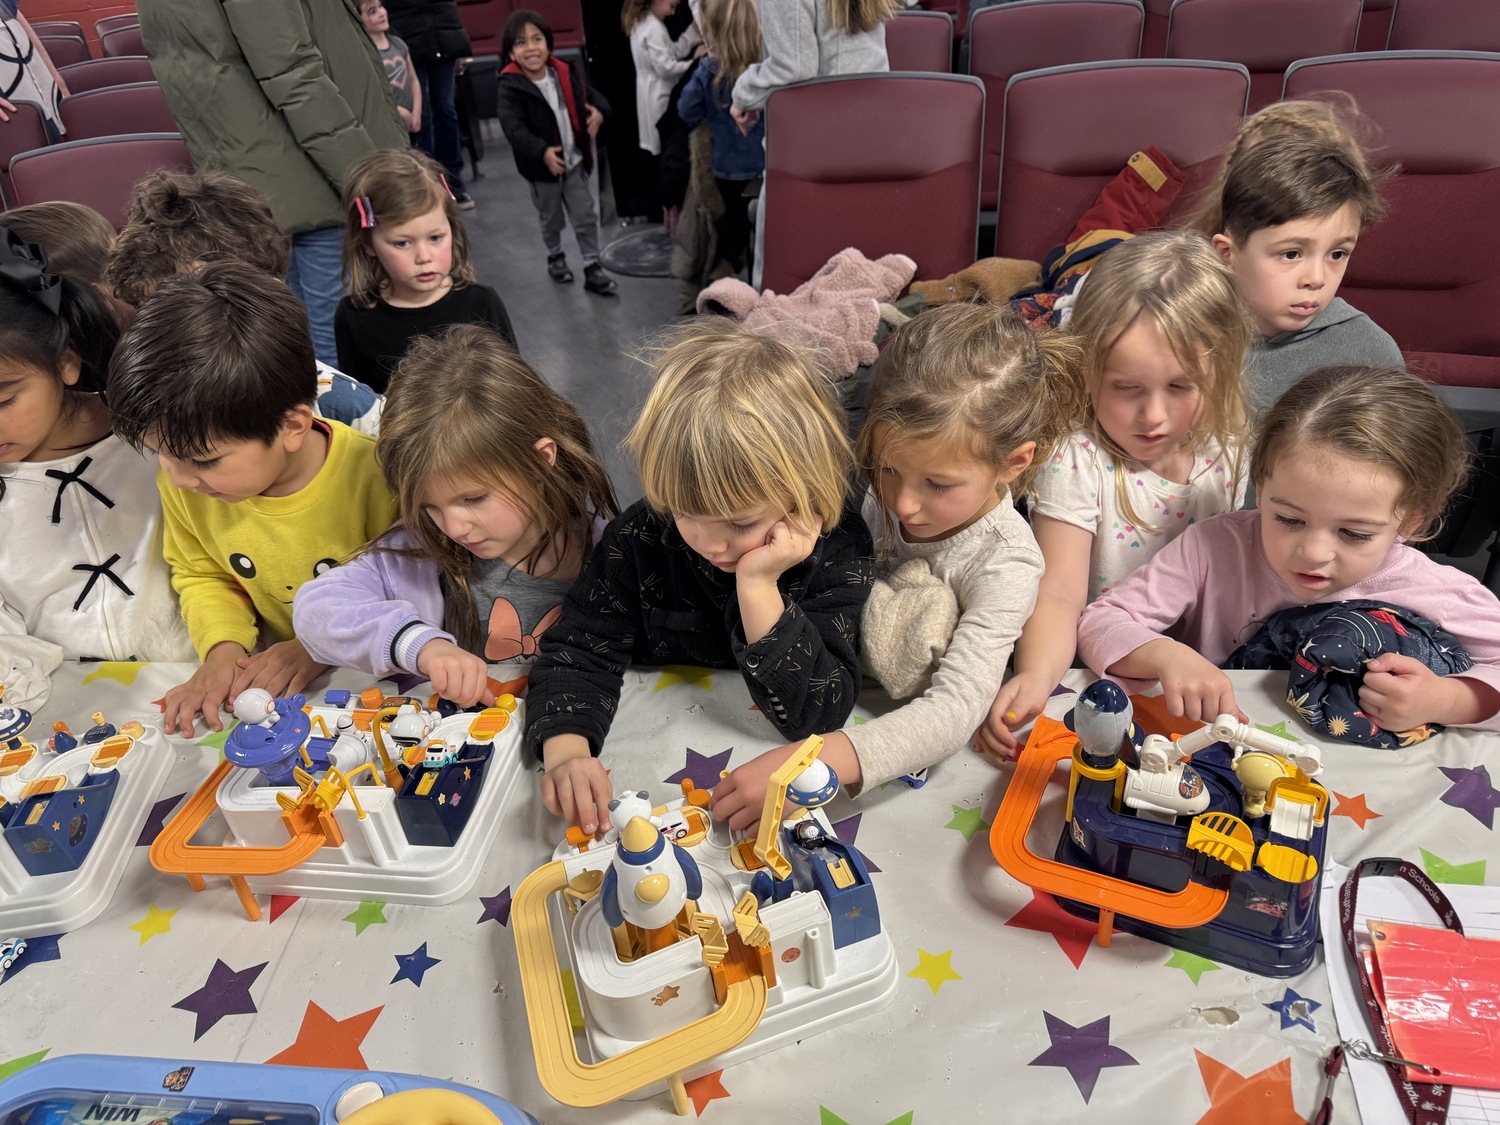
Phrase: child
{"type": "Point", "coordinates": [77, 238]}
{"type": "Point", "coordinates": [499, 489]}
{"type": "Point", "coordinates": [406, 261]}
{"type": "Point", "coordinates": [1158, 444]}
{"type": "Point", "coordinates": [80, 560]}
{"type": "Point", "coordinates": [397, 59]}
{"type": "Point", "coordinates": [1349, 462]}
{"type": "Point", "coordinates": [550, 117]}
{"type": "Point", "coordinates": [215, 374]}
{"type": "Point", "coordinates": [659, 61]}
{"type": "Point", "coordinates": [178, 221]}
{"type": "Point", "coordinates": [1292, 208]}
{"type": "Point", "coordinates": [964, 405]}
{"type": "Point", "coordinates": [743, 554]}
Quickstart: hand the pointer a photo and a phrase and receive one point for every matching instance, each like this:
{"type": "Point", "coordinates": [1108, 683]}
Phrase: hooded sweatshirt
{"type": "Point", "coordinates": [1340, 334]}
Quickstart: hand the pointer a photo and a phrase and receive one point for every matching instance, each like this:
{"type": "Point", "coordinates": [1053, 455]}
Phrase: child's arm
{"type": "Point", "coordinates": [575, 785]}
{"type": "Point", "coordinates": [740, 797]}
{"type": "Point", "coordinates": [415, 124]}
{"type": "Point", "coordinates": [662, 53]}
{"type": "Point", "coordinates": [526, 144]}
{"type": "Point", "coordinates": [789, 40]}
{"type": "Point", "coordinates": [693, 103]}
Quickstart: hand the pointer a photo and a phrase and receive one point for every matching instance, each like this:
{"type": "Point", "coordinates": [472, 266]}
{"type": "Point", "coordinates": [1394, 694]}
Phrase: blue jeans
{"type": "Point", "coordinates": [439, 137]}
{"type": "Point", "coordinates": [316, 276]}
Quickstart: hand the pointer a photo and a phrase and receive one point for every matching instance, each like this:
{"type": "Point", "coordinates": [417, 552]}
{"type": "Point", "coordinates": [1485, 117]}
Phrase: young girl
{"type": "Point", "coordinates": [1349, 463]}
{"type": "Point", "coordinates": [81, 559]}
{"type": "Point", "coordinates": [659, 61]}
{"type": "Point", "coordinates": [743, 554]}
{"type": "Point", "coordinates": [406, 263]}
{"type": "Point", "coordinates": [1157, 444]}
{"type": "Point", "coordinates": [499, 489]}
{"type": "Point", "coordinates": [964, 406]}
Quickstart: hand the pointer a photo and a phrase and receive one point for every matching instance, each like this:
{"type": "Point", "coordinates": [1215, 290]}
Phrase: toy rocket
{"type": "Point", "coordinates": [649, 879]}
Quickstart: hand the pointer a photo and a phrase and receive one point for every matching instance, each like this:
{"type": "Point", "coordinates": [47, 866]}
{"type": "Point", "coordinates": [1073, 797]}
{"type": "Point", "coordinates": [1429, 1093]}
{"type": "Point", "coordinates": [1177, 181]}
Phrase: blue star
{"type": "Point", "coordinates": [414, 965]}
{"type": "Point", "coordinates": [1295, 1010]}
{"type": "Point", "coordinates": [1082, 1051]}
{"type": "Point", "coordinates": [38, 949]}
{"type": "Point", "coordinates": [157, 820]}
{"type": "Point", "coordinates": [496, 908]}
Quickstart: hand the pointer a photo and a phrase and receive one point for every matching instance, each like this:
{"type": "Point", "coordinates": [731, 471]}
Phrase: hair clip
{"type": "Point", "coordinates": [366, 212]}
{"type": "Point", "coordinates": [448, 188]}
{"type": "Point", "coordinates": [24, 265]}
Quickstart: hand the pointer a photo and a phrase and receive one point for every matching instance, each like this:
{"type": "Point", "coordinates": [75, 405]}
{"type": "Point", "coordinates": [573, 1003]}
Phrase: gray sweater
{"type": "Point", "coordinates": [798, 42]}
{"type": "Point", "coordinates": [1340, 334]}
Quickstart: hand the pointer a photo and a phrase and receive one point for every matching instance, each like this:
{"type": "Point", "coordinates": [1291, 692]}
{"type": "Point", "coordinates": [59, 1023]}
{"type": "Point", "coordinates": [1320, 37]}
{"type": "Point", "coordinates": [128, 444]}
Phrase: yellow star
{"type": "Point", "coordinates": [123, 670]}
{"type": "Point", "coordinates": [935, 969]}
{"type": "Point", "coordinates": [155, 922]}
{"type": "Point", "coordinates": [685, 674]}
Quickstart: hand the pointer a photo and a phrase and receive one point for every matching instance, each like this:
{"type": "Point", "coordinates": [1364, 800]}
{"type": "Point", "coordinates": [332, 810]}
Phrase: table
{"type": "Point", "coordinates": [1003, 1004]}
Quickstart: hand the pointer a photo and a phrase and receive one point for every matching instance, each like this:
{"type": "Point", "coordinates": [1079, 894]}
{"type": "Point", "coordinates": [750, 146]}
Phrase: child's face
{"type": "Point", "coordinates": [1326, 522]}
{"type": "Point", "coordinates": [529, 51]}
{"type": "Point", "coordinates": [1289, 273]}
{"type": "Point", "coordinates": [417, 256]}
{"type": "Point", "coordinates": [373, 15]}
{"type": "Point", "coordinates": [724, 540]}
{"type": "Point", "coordinates": [661, 9]}
{"type": "Point", "coordinates": [32, 409]}
{"type": "Point", "coordinates": [935, 493]}
{"type": "Point", "coordinates": [483, 520]}
{"type": "Point", "coordinates": [236, 469]}
{"type": "Point", "coordinates": [1144, 399]}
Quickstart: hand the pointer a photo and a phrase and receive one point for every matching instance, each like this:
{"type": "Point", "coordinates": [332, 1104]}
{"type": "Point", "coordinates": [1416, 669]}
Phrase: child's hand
{"type": "Point", "coordinates": [1400, 693]}
{"type": "Point", "coordinates": [575, 786]}
{"type": "Point", "coordinates": [1020, 700]}
{"type": "Point", "coordinates": [739, 797]}
{"type": "Point", "coordinates": [787, 543]}
{"type": "Point", "coordinates": [592, 120]}
{"type": "Point", "coordinates": [745, 118]}
{"type": "Point", "coordinates": [1192, 686]}
{"type": "Point", "coordinates": [553, 159]}
{"type": "Point", "coordinates": [206, 690]}
{"type": "Point", "coordinates": [409, 119]}
{"type": "Point", "coordinates": [283, 669]}
{"type": "Point", "coordinates": [456, 675]}
{"type": "Point", "coordinates": [700, 50]}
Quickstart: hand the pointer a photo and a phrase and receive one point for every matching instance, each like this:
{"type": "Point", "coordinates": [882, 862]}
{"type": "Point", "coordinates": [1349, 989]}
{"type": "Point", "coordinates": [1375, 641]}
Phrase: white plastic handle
{"type": "Point", "coordinates": [424, 1107]}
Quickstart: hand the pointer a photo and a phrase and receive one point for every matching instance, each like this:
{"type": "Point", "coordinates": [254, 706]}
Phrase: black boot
{"type": "Point", "coordinates": [557, 269]}
{"type": "Point", "coordinates": [595, 280]}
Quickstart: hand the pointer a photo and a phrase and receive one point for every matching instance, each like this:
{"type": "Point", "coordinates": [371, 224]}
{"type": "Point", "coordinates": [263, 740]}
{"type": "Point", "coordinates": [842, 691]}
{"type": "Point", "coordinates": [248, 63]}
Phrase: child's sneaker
{"type": "Point", "coordinates": [557, 269]}
{"type": "Point", "coordinates": [463, 201]}
{"type": "Point", "coordinates": [595, 280]}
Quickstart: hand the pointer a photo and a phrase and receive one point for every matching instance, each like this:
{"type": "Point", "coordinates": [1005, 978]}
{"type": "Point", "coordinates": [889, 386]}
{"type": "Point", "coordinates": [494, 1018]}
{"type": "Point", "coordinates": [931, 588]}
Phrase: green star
{"type": "Point", "coordinates": [1278, 729]}
{"type": "Point", "coordinates": [16, 1065]}
{"type": "Point", "coordinates": [1190, 963]}
{"type": "Point", "coordinates": [860, 720]}
{"type": "Point", "coordinates": [968, 821]}
{"type": "Point", "coordinates": [1441, 871]}
{"type": "Point", "coordinates": [216, 739]}
{"type": "Point", "coordinates": [370, 913]}
{"type": "Point", "coordinates": [826, 1116]}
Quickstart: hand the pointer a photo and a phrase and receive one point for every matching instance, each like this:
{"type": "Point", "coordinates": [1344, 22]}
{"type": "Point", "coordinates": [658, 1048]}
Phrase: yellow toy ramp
{"type": "Point", "coordinates": [563, 1073]}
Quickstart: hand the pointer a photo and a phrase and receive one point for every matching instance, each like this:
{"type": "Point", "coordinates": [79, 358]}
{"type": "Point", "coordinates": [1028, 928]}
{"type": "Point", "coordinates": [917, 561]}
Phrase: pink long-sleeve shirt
{"type": "Point", "coordinates": [1212, 588]}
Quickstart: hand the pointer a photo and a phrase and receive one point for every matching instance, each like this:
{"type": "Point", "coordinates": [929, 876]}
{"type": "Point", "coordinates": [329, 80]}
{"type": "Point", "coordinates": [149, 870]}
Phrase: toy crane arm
{"type": "Point", "coordinates": [1160, 753]}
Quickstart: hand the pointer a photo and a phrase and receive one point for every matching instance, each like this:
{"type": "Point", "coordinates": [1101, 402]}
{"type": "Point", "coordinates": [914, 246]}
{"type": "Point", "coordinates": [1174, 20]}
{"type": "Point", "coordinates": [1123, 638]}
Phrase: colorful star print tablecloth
{"type": "Point", "coordinates": [1004, 1004]}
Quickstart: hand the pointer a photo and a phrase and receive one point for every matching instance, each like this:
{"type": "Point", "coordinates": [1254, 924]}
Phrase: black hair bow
{"type": "Point", "coordinates": [24, 265]}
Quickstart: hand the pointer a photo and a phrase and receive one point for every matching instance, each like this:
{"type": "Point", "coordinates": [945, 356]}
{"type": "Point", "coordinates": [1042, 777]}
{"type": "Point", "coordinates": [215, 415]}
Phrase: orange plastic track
{"type": "Point", "coordinates": [1050, 743]}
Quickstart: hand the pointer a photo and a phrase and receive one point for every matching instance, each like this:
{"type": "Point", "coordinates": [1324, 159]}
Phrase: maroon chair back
{"type": "Point", "coordinates": [920, 41]}
{"type": "Point", "coordinates": [58, 27]}
{"type": "Point", "coordinates": [101, 173]}
{"type": "Point", "coordinates": [1034, 34]}
{"type": "Point", "coordinates": [483, 20]}
{"type": "Point", "coordinates": [1375, 25]}
{"type": "Point", "coordinates": [1445, 25]}
{"type": "Point", "coordinates": [886, 163]}
{"type": "Point", "coordinates": [122, 41]}
{"type": "Point", "coordinates": [1070, 130]}
{"type": "Point", "coordinates": [1263, 36]}
{"type": "Point", "coordinates": [22, 133]}
{"type": "Point", "coordinates": [65, 50]}
{"type": "Point", "coordinates": [1429, 271]}
{"type": "Point", "coordinates": [110, 23]}
{"type": "Point", "coordinates": [1154, 35]}
{"type": "Point", "coordinates": [957, 10]}
{"type": "Point", "coordinates": [97, 74]}
{"type": "Point", "coordinates": [116, 111]}
{"type": "Point", "coordinates": [565, 16]}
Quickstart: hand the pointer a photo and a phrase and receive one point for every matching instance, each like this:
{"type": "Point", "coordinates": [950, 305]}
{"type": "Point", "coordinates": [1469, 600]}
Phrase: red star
{"type": "Point", "coordinates": [1265, 1097]}
{"type": "Point", "coordinates": [160, 704]}
{"type": "Point", "coordinates": [1074, 935]}
{"type": "Point", "coordinates": [705, 1089]}
{"type": "Point", "coordinates": [279, 905]}
{"type": "Point", "coordinates": [327, 1042]}
{"type": "Point", "coordinates": [1354, 808]}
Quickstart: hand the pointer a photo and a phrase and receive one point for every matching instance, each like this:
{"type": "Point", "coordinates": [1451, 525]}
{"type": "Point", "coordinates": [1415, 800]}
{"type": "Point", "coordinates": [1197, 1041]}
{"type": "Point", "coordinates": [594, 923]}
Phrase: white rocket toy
{"type": "Point", "coordinates": [649, 879]}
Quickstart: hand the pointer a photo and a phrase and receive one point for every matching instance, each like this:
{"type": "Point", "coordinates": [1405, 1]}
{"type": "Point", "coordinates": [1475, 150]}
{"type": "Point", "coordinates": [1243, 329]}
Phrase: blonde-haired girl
{"type": "Point", "coordinates": [406, 265]}
{"type": "Point", "coordinates": [499, 490]}
{"type": "Point", "coordinates": [1158, 444]}
{"type": "Point", "coordinates": [965, 404]}
{"type": "Point", "coordinates": [743, 554]}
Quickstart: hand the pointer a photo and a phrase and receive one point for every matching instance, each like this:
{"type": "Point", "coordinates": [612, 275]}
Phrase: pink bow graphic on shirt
{"type": "Point", "coordinates": [506, 641]}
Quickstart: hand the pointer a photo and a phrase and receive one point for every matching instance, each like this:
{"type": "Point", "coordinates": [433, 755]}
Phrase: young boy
{"type": "Point", "coordinates": [551, 121]}
{"type": "Point", "coordinates": [180, 220]}
{"type": "Point", "coordinates": [397, 59]}
{"type": "Point", "coordinates": [1293, 209]}
{"type": "Point", "coordinates": [216, 375]}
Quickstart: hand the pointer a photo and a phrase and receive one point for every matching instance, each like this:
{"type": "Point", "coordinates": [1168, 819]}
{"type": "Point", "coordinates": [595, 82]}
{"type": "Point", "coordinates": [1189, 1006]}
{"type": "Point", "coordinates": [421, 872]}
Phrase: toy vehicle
{"type": "Point", "coordinates": [691, 950]}
{"type": "Point", "coordinates": [1210, 841]}
{"type": "Point", "coordinates": [351, 798]}
{"type": "Point", "coordinates": [10, 951]}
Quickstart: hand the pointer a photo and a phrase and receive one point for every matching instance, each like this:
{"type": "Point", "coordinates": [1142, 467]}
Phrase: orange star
{"type": "Point", "coordinates": [1354, 808]}
{"type": "Point", "coordinates": [1265, 1097]}
{"type": "Point", "coordinates": [325, 1041]}
{"type": "Point", "coordinates": [705, 1089]}
{"type": "Point", "coordinates": [668, 993]}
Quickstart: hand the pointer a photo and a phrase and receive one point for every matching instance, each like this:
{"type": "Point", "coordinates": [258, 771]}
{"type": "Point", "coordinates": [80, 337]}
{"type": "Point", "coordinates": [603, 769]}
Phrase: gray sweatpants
{"type": "Point", "coordinates": [573, 194]}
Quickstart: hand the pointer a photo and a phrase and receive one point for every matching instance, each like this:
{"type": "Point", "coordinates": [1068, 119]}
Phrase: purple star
{"type": "Point", "coordinates": [405, 681]}
{"type": "Point", "coordinates": [1060, 690]}
{"type": "Point", "coordinates": [846, 830]}
{"type": "Point", "coordinates": [1472, 792]}
{"type": "Point", "coordinates": [702, 769]}
{"type": "Point", "coordinates": [225, 993]}
{"type": "Point", "coordinates": [38, 949]}
{"type": "Point", "coordinates": [157, 820]}
{"type": "Point", "coordinates": [414, 965]}
{"type": "Point", "coordinates": [1082, 1051]}
{"type": "Point", "coordinates": [1294, 1010]}
{"type": "Point", "coordinates": [496, 908]}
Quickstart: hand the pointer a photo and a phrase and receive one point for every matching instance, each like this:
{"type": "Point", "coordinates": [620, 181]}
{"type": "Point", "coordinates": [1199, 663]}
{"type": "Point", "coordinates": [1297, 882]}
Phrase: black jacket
{"type": "Point", "coordinates": [432, 29]}
{"type": "Point", "coordinates": [530, 125]}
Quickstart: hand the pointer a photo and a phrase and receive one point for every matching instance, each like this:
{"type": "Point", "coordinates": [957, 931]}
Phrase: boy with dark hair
{"type": "Point", "coordinates": [216, 375]}
{"type": "Point", "coordinates": [551, 120]}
